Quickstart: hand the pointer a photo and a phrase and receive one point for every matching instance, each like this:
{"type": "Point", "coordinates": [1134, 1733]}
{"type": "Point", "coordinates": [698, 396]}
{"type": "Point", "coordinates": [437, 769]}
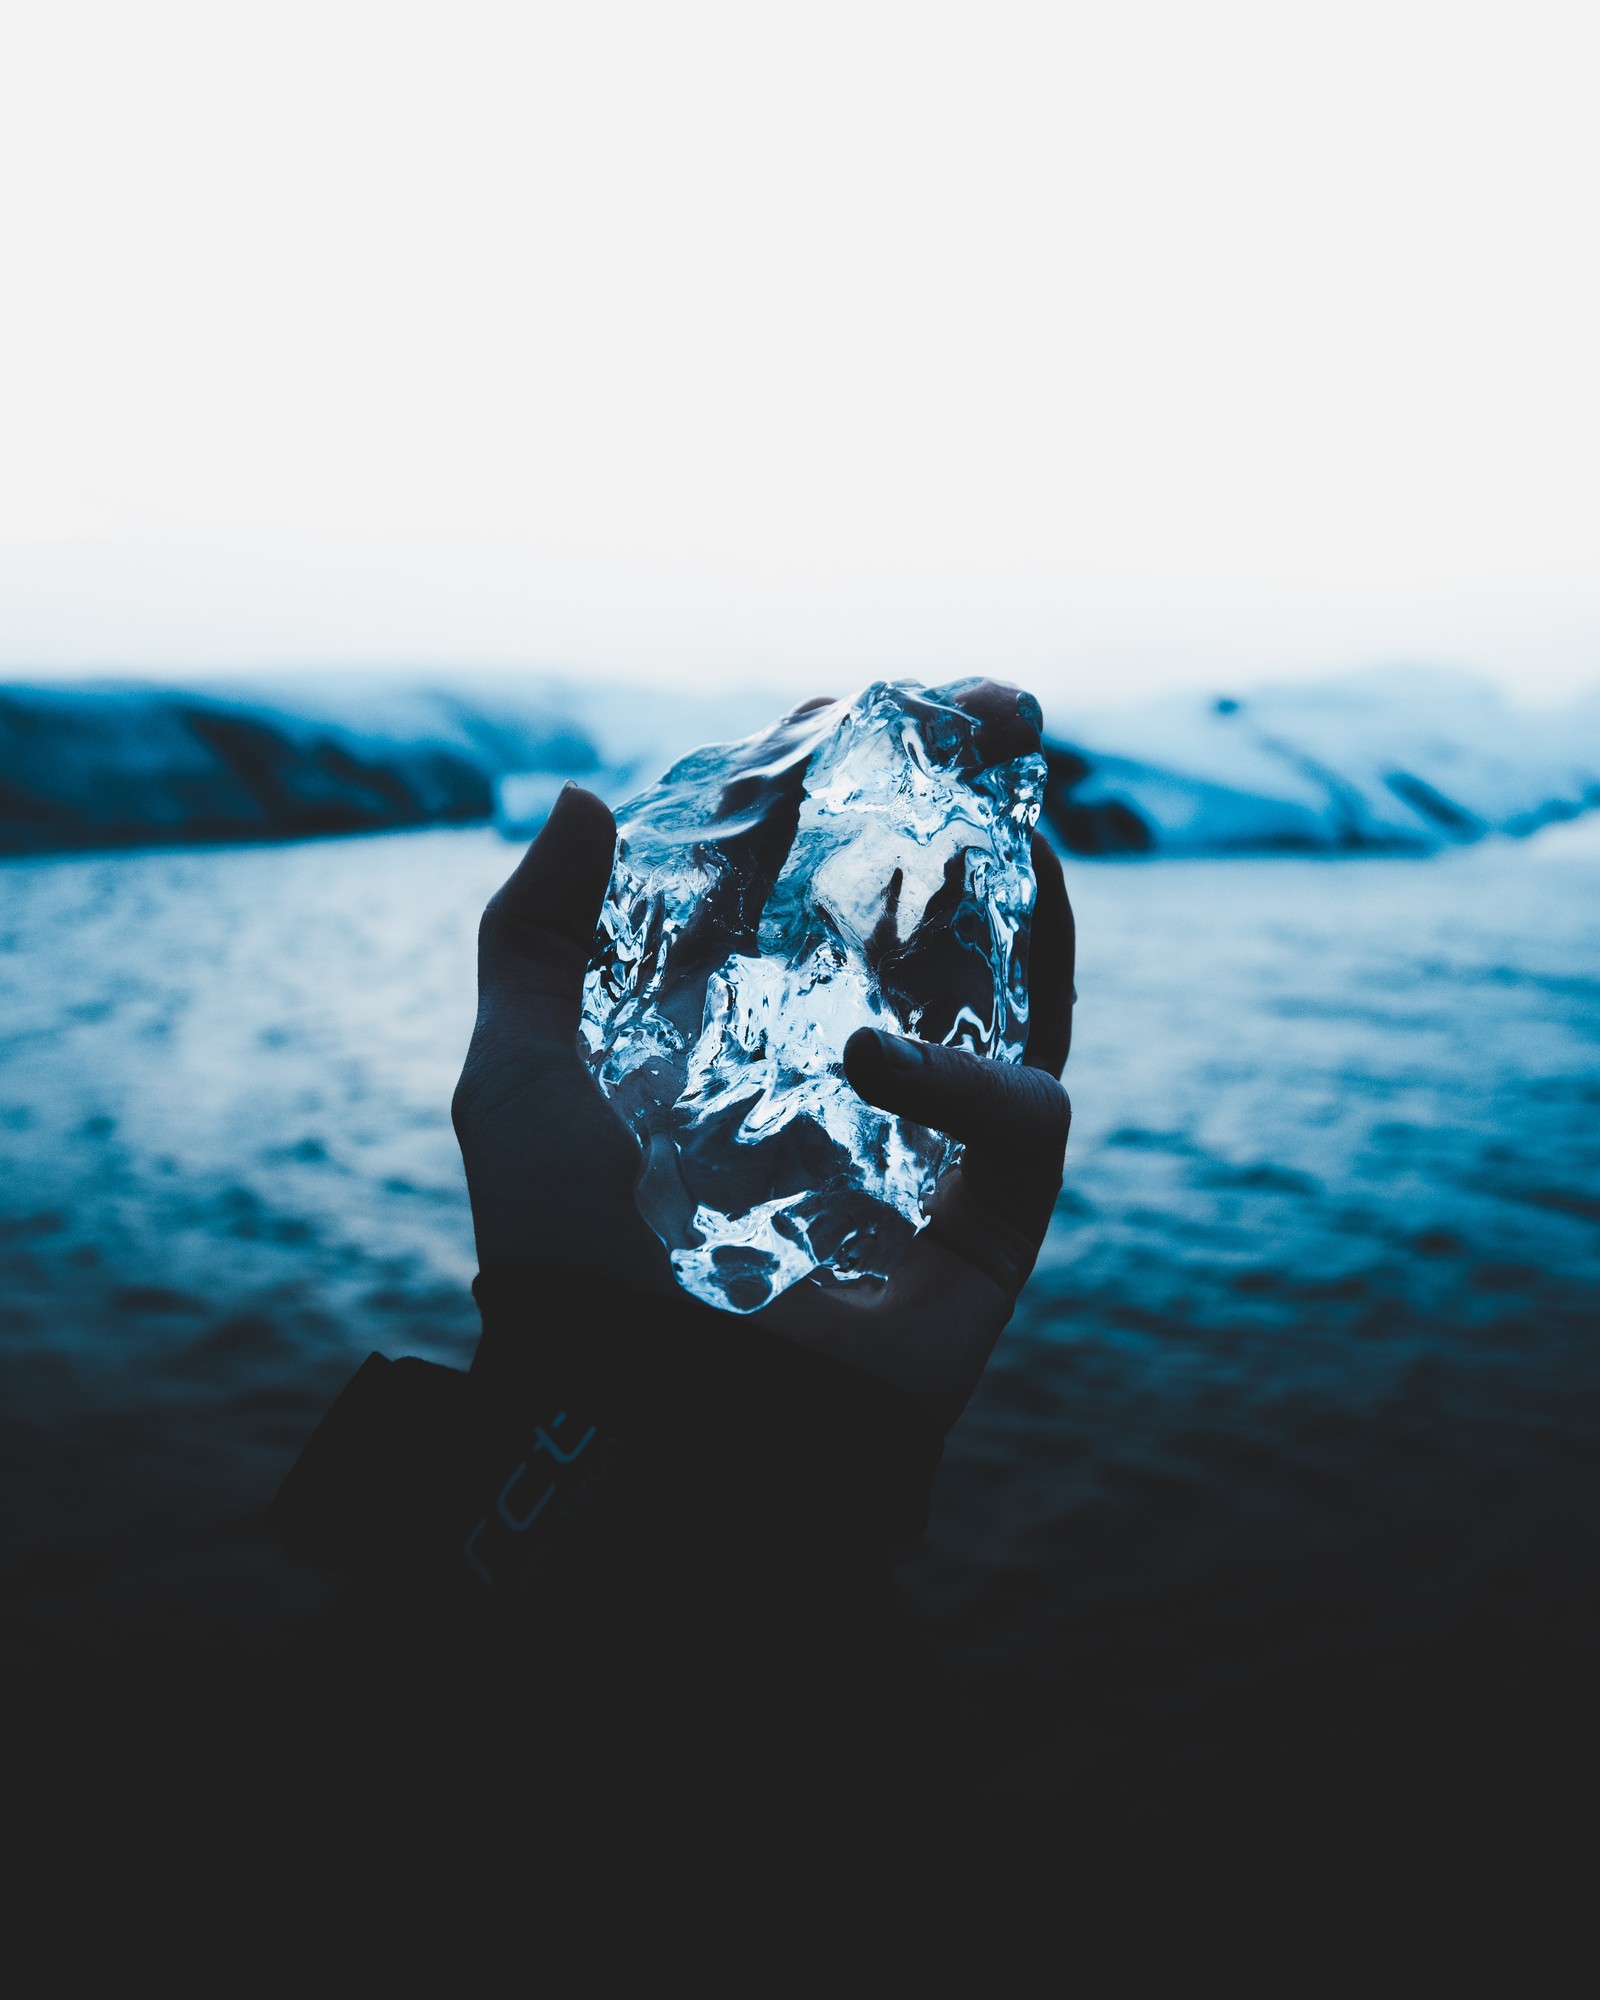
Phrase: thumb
{"type": "Point", "coordinates": [1011, 1120]}
{"type": "Point", "coordinates": [536, 934]}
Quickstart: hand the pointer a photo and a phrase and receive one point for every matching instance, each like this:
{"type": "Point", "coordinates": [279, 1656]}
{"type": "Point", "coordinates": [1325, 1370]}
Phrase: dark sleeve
{"type": "Point", "coordinates": [605, 1433]}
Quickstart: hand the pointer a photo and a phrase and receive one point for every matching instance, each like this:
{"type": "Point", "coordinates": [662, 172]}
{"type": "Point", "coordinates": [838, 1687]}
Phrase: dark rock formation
{"type": "Point", "coordinates": [114, 767]}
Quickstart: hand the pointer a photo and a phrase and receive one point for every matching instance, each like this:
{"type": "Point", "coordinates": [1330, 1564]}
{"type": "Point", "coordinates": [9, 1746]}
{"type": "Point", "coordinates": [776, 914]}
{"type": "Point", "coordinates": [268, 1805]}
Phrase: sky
{"type": "Point", "coordinates": [1109, 348]}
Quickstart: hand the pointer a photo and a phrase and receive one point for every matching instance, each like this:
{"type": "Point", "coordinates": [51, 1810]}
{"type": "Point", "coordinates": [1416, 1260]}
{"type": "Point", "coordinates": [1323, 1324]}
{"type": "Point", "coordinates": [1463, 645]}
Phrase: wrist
{"type": "Point", "coordinates": [730, 1420]}
{"type": "Point", "coordinates": [607, 1428]}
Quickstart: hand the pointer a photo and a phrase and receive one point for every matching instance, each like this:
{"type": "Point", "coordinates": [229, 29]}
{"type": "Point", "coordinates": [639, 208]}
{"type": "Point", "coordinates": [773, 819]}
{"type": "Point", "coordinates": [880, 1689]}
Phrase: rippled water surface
{"type": "Point", "coordinates": [1311, 1361]}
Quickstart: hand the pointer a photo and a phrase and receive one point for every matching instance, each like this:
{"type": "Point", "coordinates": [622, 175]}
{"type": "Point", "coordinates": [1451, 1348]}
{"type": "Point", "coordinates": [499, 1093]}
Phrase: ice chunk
{"type": "Point", "coordinates": [857, 865]}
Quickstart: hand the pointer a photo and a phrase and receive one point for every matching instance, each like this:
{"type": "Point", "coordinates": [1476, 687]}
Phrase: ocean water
{"type": "Point", "coordinates": [1307, 1381]}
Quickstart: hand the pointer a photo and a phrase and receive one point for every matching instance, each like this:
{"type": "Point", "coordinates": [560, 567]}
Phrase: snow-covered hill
{"type": "Point", "coordinates": [120, 765]}
{"type": "Point", "coordinates": [1373, 762]}
{"type": "Point", "coordinates": [1385, 761]}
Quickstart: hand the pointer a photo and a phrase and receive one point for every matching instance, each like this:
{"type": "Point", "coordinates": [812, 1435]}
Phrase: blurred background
{"type": "Point", "coordinates": [405, 408]}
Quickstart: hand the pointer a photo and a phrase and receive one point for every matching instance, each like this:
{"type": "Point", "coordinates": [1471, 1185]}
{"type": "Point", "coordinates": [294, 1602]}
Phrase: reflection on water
{"type": "Point", "coordinates": [1311, 1354]}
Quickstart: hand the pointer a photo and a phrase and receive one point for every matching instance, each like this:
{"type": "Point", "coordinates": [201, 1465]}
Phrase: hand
{"type": "Point", "coordinates": [551, 1168]}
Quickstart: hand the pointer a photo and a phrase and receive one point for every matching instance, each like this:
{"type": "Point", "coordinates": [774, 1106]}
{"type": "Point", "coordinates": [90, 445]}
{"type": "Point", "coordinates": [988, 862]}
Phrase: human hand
{"type": "Point", "coordinates": [551, 1167]}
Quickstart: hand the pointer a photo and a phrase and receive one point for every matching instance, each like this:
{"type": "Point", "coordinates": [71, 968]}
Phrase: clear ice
{"type": "Point", "coordinates": [854, 866]}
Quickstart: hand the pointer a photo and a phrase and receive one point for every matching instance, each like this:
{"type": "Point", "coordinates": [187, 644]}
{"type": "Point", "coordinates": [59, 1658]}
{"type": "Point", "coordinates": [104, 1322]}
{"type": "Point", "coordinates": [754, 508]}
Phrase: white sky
{"type": "Point", "coordinates": [1108, 346]}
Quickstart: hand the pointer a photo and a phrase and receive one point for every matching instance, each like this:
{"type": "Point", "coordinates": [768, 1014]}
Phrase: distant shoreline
{"type": "Point", "coordinates": [1362, 767]}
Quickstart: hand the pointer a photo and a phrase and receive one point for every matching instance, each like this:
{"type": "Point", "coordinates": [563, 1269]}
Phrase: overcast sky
{"type": "Point", "coordinates": [1111, 347]}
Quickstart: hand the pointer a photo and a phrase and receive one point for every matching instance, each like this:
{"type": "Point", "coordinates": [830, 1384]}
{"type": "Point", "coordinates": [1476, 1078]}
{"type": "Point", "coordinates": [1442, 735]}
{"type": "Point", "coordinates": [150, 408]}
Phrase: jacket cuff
{"type": "Point", "coordinates": [599, 1421]}
{"type": "Point", "coordinates": [730, 1423]}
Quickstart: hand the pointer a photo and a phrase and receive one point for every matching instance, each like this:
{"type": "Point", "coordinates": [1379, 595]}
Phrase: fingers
{"type": "Point", "coordinates": [1012, 1120]}
{"type": "Point", "coordinates": [1052, 953]}
{"type": "Point", "coordinates": [534, 942]}
{"type": "Point", "coordinates": [1010, 720]}
{"type": "Point", "coordinates": [953, 1292]}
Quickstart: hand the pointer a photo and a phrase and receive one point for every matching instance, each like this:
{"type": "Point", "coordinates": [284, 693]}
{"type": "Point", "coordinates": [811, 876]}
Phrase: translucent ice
{"type": "Point", "coordinates": [858, 865]}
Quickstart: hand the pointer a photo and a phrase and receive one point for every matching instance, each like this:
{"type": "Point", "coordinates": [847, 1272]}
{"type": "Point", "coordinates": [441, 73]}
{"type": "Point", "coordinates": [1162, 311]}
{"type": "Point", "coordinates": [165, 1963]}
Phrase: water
{"type": "Point", "coordinates": [1309, 1368]}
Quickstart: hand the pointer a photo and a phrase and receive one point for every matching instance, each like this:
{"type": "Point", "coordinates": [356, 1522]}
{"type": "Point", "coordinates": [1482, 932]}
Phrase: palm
{"type": "Point", "coordinates": [550, 1165]}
